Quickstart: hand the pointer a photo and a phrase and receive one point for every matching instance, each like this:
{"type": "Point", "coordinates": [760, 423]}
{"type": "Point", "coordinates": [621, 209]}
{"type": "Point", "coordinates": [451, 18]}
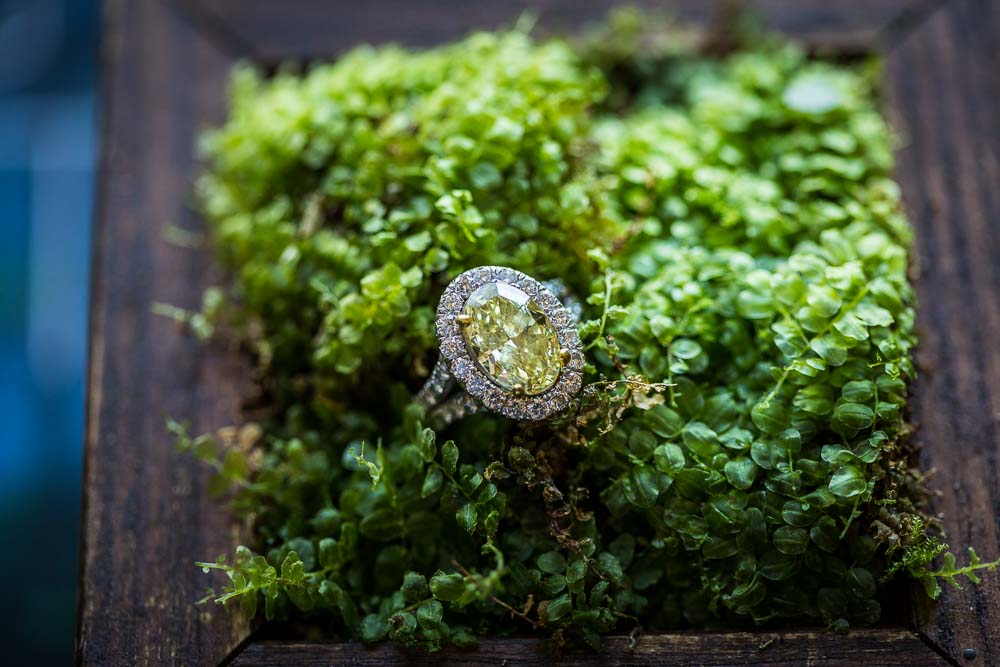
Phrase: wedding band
{"type": "Point", "coordinates": [508, 343]}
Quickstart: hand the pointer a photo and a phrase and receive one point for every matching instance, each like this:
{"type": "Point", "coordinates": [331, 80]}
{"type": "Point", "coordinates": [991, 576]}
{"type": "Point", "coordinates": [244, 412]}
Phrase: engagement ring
{"type": "Point", "coordinates": [509, 343]}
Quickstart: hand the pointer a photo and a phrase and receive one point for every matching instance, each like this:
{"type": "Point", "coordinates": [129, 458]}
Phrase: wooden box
{"type": "Point", "coordinates": [146, 511]}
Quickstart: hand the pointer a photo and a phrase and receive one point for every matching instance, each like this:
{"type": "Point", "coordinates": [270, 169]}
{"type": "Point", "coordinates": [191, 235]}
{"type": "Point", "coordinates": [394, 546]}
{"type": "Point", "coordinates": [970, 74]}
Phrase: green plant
{"type": "Point", "coordinates": [740, 454]}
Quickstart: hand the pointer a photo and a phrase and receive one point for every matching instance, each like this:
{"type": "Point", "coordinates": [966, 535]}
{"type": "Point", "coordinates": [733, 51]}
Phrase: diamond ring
{"type": "Point", "coordinates": [509, 343]}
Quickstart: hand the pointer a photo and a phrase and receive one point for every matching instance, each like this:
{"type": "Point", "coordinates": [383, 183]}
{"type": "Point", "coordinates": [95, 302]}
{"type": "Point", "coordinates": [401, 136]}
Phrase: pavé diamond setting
{"type": "Point", "coordinates": [509, 342]}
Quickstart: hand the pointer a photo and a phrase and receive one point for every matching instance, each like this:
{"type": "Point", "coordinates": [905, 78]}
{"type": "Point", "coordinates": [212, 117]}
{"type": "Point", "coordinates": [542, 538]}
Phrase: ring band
{"type": "Point", "coordinates": [508, 343]}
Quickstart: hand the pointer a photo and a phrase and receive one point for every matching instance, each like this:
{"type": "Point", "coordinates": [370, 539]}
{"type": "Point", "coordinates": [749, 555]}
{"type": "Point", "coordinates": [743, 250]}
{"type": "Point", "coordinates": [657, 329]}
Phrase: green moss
{"type": "Point", "coordinates": [739, 456]}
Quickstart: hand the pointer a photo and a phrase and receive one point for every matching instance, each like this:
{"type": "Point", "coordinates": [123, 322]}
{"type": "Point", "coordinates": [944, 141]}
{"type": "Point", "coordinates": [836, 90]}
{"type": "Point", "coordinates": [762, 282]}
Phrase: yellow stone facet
{"type": "Point", "coordinates": [511, 338]}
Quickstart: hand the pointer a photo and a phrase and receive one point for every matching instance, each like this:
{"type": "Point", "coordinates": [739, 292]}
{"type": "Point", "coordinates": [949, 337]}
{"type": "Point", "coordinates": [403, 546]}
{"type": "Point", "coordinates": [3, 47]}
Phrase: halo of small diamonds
{"type": "Point", "coordinates": [472, 377]}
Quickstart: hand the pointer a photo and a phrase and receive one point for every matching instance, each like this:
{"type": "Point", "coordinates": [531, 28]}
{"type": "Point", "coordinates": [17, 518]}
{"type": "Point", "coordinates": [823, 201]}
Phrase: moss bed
{"type": "Point", "coordinates": [739, 455]}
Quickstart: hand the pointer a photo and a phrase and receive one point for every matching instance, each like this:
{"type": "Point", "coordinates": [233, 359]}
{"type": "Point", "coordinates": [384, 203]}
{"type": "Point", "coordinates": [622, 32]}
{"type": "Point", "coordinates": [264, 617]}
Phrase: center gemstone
{"type": "Point", "coordinates": [511, 339]}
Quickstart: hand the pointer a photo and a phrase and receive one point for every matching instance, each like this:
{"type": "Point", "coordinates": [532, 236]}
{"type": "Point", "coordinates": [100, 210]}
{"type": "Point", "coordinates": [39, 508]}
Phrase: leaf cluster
{"type": "Point", "coordinates": [740, 454]}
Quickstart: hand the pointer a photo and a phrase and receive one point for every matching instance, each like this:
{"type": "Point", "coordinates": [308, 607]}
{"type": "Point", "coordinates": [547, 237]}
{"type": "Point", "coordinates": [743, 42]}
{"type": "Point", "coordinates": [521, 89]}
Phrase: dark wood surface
{"type": "Point", "coordinates": [146, 514]}
{"type": "Point", "coordinates": [943, 88]}
{"type": "Point", "coordinates": [881, 647]}
{"type": "Point", "coordinates": [269, 32]}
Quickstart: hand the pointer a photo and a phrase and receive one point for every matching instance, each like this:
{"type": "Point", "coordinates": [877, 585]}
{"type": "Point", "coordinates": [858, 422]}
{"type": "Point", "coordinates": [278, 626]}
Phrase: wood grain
{"type": "Point", "coordinates": [271, 32]}
{"type": "Point", "coordinates": [885, 647]}
{"type": "Point", "coordinates": [146, 514]}
{"type": "Point", "coordinates": [943, 84]}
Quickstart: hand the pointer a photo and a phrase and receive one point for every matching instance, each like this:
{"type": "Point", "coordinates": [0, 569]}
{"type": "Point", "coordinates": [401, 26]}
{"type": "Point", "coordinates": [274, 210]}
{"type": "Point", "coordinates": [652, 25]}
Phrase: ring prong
{"type": "Point", "coordinates": [564, 355]}
{"type": "Point", "coordinates": [517, 389]}
{"type": "Point", "coordinates": [463, 318]}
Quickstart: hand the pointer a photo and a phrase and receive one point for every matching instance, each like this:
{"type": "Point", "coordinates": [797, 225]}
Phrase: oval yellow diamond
{"type": "Point", "coordinates": [511, 339]}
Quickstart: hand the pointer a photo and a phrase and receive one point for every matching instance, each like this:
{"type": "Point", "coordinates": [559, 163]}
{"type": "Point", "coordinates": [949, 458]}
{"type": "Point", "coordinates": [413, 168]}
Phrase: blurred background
{"type": "Point", "coordinates": [48, 131]}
